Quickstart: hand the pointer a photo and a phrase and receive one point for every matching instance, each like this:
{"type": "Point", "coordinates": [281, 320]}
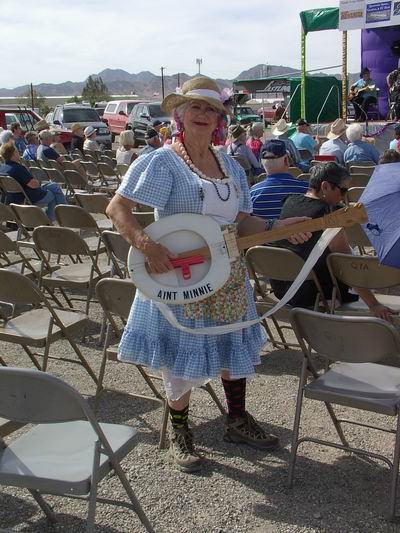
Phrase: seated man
{"type": "Point", "coordinates": [48, 194]}
{"type": "Point", "coordinates": [30, 152]}
{"type": "Point", "coordinates": [77, 137]}
{"type": "Point", "coordinates": [280, 131]}
{"type": "Point", "coordinates": [302, 138]}
{"type": "Point", "coordinates": [359, 150]}
{"type": "Point", "coordinates": [18, 135]}
{"type": "Point", "coordinates": [268, 195]}
{"type": "Point", "coordinates": [44, 151]}
{"type": "Point", "coordinates": [56, 144]}
{"type": "Point", "coordinates": [328, 185]}
{"type": "Point", "coordinates": [90, 139]}
{"type": "Point", "coordinates": [152, 139]}
{"type": "Point", "coordinates": [336, 145]}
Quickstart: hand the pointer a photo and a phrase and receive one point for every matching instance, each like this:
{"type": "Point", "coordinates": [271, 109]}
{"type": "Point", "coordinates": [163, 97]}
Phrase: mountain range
{"type": "Point", "coordinates": [143, 84]}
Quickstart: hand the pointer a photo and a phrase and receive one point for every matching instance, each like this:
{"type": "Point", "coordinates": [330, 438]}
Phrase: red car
{"type": "Point", "coordinates": [27, 118]}
{"type": "Point", "coordinates": [116, 115]}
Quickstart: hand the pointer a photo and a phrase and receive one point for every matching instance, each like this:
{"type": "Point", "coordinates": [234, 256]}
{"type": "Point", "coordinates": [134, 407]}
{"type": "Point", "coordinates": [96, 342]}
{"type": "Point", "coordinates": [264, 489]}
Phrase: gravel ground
{"type": "Point", "coordinates": [239, 489]}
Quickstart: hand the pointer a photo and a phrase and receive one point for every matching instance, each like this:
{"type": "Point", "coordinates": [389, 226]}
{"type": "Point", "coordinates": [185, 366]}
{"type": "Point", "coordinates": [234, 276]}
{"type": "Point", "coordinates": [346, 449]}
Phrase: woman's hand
{"type": "Point", "coordinates": [381, 311]}
{"type": "Point", "coordinates": [296, 238]}
{"type": "Point", "coordinates": [157, 257]}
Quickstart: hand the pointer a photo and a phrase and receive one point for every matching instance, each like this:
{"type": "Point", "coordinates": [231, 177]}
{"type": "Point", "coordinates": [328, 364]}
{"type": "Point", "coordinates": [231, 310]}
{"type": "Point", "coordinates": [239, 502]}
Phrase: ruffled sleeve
{"type": "Point", "coordinates": [148, 180]}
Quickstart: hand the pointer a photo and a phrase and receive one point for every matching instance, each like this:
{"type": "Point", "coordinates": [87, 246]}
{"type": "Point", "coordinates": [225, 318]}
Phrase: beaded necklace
{"type": "Point", "coordinates": [187, 159]}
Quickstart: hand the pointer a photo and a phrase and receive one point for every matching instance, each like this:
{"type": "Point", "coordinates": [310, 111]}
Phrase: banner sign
{"type": "Point", "coordinates": [366, 14]}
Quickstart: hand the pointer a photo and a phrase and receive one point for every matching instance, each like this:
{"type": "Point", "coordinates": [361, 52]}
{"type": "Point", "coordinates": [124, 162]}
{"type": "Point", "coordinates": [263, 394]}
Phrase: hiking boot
{"type": "Point", "coordinates": [246, 430]}
{"type": "Point", "coordinates": [182, 452]}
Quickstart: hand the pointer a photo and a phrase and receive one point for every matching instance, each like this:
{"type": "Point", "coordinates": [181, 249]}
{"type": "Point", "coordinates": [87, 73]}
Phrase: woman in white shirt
{"type": "Point", "coordinates": [125, 153]}
{"type": "Point", "coordinates": [90, 139]}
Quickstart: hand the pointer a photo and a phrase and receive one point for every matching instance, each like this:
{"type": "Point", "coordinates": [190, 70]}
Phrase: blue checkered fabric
{"type": "Point", "coordinates": [162, 180]}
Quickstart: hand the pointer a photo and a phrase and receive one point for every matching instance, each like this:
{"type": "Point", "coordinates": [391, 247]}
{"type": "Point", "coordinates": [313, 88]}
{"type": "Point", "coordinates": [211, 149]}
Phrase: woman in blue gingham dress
{"type": "Point", "coordinates": [174, 180]}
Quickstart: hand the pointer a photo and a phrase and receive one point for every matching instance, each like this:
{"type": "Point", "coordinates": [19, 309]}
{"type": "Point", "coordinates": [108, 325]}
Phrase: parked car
{"type": "Point", "coordinates": [116, 114]}
{"type": "Point", "coordinates": [244, 115]}
{"type": "Point", "coordinates": [27, 118]}
{"type": "Point", "coordinates": [142, 116]}
{"type": "Point", "coordinates": [100, 108]}
{"type": "Point", "coordinates": [67, 114]}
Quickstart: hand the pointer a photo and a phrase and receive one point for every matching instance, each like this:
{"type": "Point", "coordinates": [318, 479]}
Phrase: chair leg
{"type": "Point", "coordinates": [47, 347]}
{"type": "Point", "coordinates": [211, 392]}
{"type": "Point", "coordinates": [296, 424]}
{"type": "Point", "coordinates": [164, 424]}
{"type": "Point", "coordinates": [93, 488]}
{"type": "Point", "coordinates": [45, 507]}
{"type": "Point", "coordinates": [135, 502]}
{"type": "Point", "coordinates": [32, 357]}
{"type": "Point", "coordinates": [80, 355]}
{"type": "Point", "coordinates": [395, 473]}
{"type": "Point", "coordinates": [337, 425]}
{"type": "Point", "coordinates": [102, 369]}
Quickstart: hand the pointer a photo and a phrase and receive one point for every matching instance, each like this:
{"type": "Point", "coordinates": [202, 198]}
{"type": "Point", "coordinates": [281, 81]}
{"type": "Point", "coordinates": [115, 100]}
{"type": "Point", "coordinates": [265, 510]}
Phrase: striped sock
{"type": "Point", "coordinates": [179, 419]}
{"type": "Point", "coordinates": [235, 392]}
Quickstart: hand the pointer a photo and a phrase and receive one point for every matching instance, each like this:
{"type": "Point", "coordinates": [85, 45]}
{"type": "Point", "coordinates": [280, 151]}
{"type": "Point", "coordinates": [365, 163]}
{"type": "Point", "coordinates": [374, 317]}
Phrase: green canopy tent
{"type": "Point", "coordinates": [320, 20]}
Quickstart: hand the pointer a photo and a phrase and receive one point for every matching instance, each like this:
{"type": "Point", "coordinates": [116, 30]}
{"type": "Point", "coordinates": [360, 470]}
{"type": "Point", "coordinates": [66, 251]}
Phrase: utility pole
{"type": "Point", "coordinates": [199, 61]}
{"type": "Point", "coordinates": [179, 80]}
{"type": "Point", "coordinates": [32, 98]}
{"type": "Point", "coordinates": [162, 81]}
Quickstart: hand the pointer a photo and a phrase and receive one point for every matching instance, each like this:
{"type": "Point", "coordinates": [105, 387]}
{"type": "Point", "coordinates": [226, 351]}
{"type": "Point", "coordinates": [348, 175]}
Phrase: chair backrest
{"type": "Point", "coordinates": [39, 173]}
{"type": "Point", "coordinates": [55, 175]}
{"type": "Point", "coordinates": [6, 214]}
{"type": "Point", "coordinates": [305, 176]}
{"type": "Point", "coordinates": [106, 159]}
{"type": "Point", "coordinates": [322, 158]}
{"type": "Point", "coordinates": [91, 153]}
{"type": "Point", "coordinates": [353, 194]}
{"type": "Point", "coordinates": [59, 241]}
{"type": "Point", "coordinates": [144, 218]}
{"type": "Point", "coordinates": [29, 396]}
{"type": "Point", "coordinates": [30, 216]}
{"type": "Point", "coordinates": [362, 169]}
{"type": "Point", "coordinates": [75, 180]}
{"type": "Point", "coordinates": [116, 296]}
{"type": "Point", "coordinates": [116, 245]}
{"type": "Point", "coordinates": [105, 169]}
{"type": "Point", "coordinates": [344, 338]}
{"type": "Point", "coordinates": [91, 169]}
{"type": "Point", "coordinates": [305, 155]}
{"type": "Point", "coordinates": [6, 244]}
{"type": "Point", "coordinates": [93, 202]}
{"type": "Point", "coordinates": [359, 180]}
{"type": "Point", "coordinates": [109, 153]}
{"type": "Point", "coordinates": [294, 171]}
{"type": "Point", "coordinates": [242, 162]}
{"type": "Point", "coordinates": [74, 216]}
{"type": "Point", "coordinates": [68, 165]}
{"type": "Point", "coordinates": [52, 163]}
{"type": "Point", "coordinates": [17, 289]}
{"type": "Point", "coordinates": [121, 169]}
{"type": "Point", "coordinates": [362, 271]}
{"type": "Point", "coordinates": [11, 186]}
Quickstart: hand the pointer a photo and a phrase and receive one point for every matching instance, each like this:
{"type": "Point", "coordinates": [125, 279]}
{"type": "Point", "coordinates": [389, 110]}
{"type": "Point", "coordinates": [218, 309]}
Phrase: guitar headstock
{"type": "Point", "coordinates": [347, 216]}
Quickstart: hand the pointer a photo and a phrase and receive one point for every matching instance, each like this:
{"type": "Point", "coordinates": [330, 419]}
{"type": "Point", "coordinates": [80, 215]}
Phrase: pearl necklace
{"type": "Point", "coordinates": [221, 164]}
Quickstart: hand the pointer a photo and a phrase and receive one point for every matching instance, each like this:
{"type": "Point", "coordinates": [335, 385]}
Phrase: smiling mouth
{"type": "Point", "coordinates": [201, 123]}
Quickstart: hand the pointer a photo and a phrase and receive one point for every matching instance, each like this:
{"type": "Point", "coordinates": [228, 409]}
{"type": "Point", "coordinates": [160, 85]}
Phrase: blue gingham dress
{"type": "Point", "coordinates": [162, 180]}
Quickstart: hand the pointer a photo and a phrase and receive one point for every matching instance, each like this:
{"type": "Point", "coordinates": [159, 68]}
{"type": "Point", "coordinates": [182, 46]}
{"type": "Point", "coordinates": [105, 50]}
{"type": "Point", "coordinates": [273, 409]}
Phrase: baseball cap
{"type": "Point", "coordinates": [273, 149]}
{"type": "Point", "coordinates": [150, 133]}
{"type": "Point", "coordinates": [156, 123]}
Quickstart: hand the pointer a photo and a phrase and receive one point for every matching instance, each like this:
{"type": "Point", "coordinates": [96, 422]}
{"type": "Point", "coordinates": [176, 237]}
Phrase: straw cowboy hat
{"type": "Point", "coordinates": [41, 125]}
{"type": "Point", "coordinates": [89, 131]}
{"type": "Point", "coordinates": [337, 129]}
{"type": "Point", "coordinates": [200, 88]}
{"type": "Point", "coordinates": [281, 127]}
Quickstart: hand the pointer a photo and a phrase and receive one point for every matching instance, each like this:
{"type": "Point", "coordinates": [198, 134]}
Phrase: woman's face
{"type": "Point", "coordinates": [200, 119]}
{"type": "Point", "coordinates": [334, 194]}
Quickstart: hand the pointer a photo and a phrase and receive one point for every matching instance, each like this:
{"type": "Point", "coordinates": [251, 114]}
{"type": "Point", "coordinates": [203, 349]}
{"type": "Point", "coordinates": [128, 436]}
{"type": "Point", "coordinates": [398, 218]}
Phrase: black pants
{"type": "Point", "coordinates": [361, 106]}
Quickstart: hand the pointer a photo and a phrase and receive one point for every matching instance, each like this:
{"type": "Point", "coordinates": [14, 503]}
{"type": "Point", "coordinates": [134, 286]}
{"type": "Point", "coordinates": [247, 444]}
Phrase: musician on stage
{"type": "Point", "coordinates": [393, 81]}
{"type": "Point", "coordinates": [191, 176]}
{"type": "Point", "coordinates": [363, 93]}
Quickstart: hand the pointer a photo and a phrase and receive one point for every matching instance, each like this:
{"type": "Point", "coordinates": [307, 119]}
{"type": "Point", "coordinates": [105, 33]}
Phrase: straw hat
{"type": "Point", "coordinates": [200, 88]}
{"type": "Point", "coordinates": [281, 127]}
{"type": "Point", "coordinates": [236, 131]}
{"type": "Point", "coordinates": [76, 127]}
{"type": "Point", "coordinates": [89, 131]}
{"type": "Point", "coordinates": [41, 125]}
{"type": "Point", "coordinates": [337, 129]}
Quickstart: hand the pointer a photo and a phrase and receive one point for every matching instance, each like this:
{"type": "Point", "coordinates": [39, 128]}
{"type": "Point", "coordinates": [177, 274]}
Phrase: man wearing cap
{"type": "Point", "coordinates": [90, 139]}
{"type": "Point", "coordinates": [152, 141]}
{"type": "Point", "coordinates": [302, 138]}
{"type": "Point", "coordinates": [44, 151]}
{"type": "Point", "coordinates": [238, 147]}
{"type": "Point", "coordinates": [268, 195]}
{"type": "Point", "coordinates": [337, 143]}
{"type": "Point", "coordinates": [77, 137]}
{"type": "Point", "coordinates": [18, 135]}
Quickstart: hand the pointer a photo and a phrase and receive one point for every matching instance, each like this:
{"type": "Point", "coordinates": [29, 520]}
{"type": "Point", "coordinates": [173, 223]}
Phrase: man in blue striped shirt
{"type": "Point", "coordinates": [268, 195]}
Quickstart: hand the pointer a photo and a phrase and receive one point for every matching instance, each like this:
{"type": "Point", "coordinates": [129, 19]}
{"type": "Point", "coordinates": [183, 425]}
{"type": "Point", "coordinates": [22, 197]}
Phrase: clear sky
{"type": "Point", "coordinates": [54, 41]}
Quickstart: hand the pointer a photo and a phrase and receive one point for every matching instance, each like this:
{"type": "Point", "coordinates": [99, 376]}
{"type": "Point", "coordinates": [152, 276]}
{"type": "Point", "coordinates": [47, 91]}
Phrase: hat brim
{"type": "Point", "coordinates": [333, 136]}
{"type": "Point", "coordinates": [172, 101]}
{"type": "Point", "coordinates": [277, 132]}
